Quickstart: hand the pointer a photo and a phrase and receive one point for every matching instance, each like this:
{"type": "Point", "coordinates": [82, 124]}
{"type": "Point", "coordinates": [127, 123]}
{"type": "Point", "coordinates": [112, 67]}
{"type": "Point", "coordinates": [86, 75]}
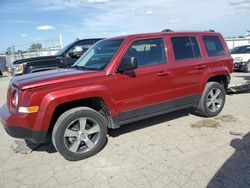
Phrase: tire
{"type": "Point", "coordinates": [79, 133]}
{"type": "Point", "coordinates": [210, 105]}
{"type": "Point", "coordinates": [246, 67]}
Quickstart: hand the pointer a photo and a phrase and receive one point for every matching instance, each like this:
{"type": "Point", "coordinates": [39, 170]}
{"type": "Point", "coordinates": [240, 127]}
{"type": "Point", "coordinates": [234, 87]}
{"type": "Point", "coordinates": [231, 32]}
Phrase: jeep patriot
{"type": "Point", "coordinates": [118, 81]}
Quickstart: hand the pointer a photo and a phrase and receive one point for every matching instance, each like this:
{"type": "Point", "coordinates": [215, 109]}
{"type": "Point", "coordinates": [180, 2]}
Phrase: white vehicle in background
{"type": "Point", "coordinates": [241, 56]}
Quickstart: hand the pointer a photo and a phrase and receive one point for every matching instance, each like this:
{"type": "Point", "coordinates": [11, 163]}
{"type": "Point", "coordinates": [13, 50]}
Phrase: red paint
{"type": "Point", "coordinates": [120, 92]}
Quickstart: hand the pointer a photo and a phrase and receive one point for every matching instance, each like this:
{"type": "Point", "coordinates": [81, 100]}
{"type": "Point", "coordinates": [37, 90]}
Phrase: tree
{"type": "Point", "coordinates": [36, 46]}
{"type": "Point", "coordinates": [9, 50]}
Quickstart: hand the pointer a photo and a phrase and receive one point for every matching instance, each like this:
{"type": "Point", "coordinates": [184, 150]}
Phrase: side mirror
{"type": "Point", "coordinates": [127, 63]}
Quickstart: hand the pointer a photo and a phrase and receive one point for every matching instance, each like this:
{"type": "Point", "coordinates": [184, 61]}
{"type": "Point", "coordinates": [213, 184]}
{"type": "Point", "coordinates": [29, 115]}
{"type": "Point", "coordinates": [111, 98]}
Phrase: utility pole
{"type": "Point", "coordinates": [14, 52]}
{"type": "Point", "coordinates": [61, 40]}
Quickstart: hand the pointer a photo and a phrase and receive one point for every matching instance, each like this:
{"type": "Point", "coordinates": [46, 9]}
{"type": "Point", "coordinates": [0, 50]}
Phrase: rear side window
{"type": "Point", "coordinates": [213, 45]}
{"type": "Point", "coordinates": [185, 47]}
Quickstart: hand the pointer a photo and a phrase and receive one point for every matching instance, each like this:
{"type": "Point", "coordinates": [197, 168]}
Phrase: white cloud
{"type": "Point", "coordinates": [45, 27]}
{"type": "Point", "coordinates": [149, 12]}
{"type": "Point", "coordinates": [174, 21]}
{"type": "Point", "coordinates": [240, 4]}
{"type": "Point", "coordinates": [96, 18]}
{"type": "Point", "coordinates": [98, 1]}
{"type": "Point", "coordinates": [24, 35]}
{"type": "Point", "coordinates": [49, 5]}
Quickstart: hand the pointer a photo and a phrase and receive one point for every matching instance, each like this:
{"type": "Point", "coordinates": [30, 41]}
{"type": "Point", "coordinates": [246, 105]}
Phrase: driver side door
{"type": "Point", "coordinates": [140, 91]}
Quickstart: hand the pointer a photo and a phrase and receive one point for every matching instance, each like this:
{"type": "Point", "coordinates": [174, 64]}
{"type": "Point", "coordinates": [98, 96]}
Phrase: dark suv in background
{"type": "Point", "coordinates": [66, 57]}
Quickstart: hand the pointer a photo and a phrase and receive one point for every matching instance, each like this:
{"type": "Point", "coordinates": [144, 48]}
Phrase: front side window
{"type": "Point", "coordinates": [213, 45]}
{"type": "Point", "coordinates": [81, 47]}
{"type": "Point", "coordinates": [63, 50]}
{"type": "Point", "coordinates": [185, 47]}
{"type": "Point", "coordinates": [148, 52]}
{"type": "Point", "coordinates": [99, 55]}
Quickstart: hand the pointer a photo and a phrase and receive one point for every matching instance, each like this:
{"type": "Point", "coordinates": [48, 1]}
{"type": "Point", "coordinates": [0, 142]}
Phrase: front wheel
{"type": "Point", "coordinates": [79, 133]}
{"type": "Point", "coordinates": [212, 100]}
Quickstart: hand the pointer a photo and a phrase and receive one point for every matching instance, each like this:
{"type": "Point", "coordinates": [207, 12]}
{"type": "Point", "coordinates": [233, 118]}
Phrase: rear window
{"type": "Point", "coordinates": [185, 47]}
{"type": "Point", "coordinates": [213, 45]}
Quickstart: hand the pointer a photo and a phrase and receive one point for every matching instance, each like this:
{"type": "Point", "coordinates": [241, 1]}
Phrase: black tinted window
{"type": "Point", "coordinates": [185, 47]}
{"type": "Point", "coordinates": [241, 50]}
{"type": "Point", "coordinates": [213, 45]}
{"type": "Point", "coordinates": [99, 55]}
{"type": "Point", "coordinates": [147, 52]}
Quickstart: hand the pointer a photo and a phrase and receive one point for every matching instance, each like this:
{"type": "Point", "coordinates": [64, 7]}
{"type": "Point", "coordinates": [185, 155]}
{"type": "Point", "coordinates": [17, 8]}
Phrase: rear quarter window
{"type": "Point", "coordinates": [213, 45]}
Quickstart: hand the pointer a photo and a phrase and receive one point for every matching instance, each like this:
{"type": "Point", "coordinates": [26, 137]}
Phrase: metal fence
{"type": "Point", "coordinates": [22, 51]}
{"type": "Point", "coordinates": [11, 57]}
{"type": "Point", "coordinates": [234, 42]}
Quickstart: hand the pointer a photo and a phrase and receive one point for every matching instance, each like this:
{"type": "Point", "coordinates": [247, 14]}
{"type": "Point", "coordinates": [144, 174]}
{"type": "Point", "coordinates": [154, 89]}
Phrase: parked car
{"type": "Point", "coordinates": [65, 58]}
{"type": "Point", "coordinates": [118, 81]}
{"type": "Point", "coordinates": [241, 56]}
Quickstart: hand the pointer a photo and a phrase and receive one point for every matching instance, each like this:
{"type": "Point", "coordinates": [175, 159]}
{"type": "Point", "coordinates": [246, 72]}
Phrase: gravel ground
{"type": "Point", "coordinates": [178, 149]}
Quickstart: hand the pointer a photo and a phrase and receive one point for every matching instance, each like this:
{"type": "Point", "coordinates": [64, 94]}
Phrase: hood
{"type": "Point", "coordinates": [240, 55]}
{"type": "Point", "coordinates": [43, 58]}
{"type": "Point", "coordinates": [50, 77]}
{"type": "Point", "coordinates": [244, 57]}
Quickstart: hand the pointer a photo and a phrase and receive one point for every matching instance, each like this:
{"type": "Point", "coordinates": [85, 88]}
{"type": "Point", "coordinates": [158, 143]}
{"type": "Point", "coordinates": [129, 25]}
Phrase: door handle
{"type": "Point", "coordinates": [201, 67]}
{"type": "Point", "coordinates": [162, 73]}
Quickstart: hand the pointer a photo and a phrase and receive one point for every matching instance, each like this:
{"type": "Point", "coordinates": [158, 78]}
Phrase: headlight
{"type": "Point", "coordinates": [238, 60]}
{"type": "Point", "coordinates": [18, 69]}
{"type": "Point", "coordinates": [15, 99]}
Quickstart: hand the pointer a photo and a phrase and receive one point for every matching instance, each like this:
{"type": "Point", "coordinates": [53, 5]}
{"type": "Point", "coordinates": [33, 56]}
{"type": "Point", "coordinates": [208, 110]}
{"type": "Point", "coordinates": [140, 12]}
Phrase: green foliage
{"type": "Point", "coordinates": [36, 46]}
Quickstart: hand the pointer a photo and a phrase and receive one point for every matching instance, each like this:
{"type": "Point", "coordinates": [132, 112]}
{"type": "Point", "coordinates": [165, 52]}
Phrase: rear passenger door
{"type": "Point", "coordinates": [187, 66]}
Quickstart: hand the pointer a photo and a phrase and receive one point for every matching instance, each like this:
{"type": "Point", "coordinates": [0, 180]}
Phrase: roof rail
{"type": "Point", "coordinates": [167, 30]}
{"type": "Point", "coordinates": [211, 30]}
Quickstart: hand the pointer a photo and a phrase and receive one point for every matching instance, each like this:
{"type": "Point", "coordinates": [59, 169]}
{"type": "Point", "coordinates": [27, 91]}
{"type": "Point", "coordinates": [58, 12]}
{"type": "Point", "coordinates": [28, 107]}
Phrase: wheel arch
{"type": "Point", "coordinates": [222, 79]}
{"type": "Point", "coordinates": [96, 103]}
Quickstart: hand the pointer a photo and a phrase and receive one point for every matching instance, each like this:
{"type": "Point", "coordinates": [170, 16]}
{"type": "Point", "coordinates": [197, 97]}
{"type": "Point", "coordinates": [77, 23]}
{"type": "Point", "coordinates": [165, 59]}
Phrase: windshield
{"type": "Point", "coordinates": [241, 50]}
{"type": "Point", "coordinates": [99, 55]}
{"type": "Point", "coordinates": [60, 52]}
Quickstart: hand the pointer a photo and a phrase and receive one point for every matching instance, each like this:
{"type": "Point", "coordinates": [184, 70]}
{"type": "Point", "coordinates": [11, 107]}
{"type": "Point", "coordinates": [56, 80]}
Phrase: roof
{"type": "Point", "coordinates": [162, 34]}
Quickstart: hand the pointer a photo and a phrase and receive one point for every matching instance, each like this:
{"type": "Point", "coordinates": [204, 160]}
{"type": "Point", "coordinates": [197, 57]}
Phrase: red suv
{"type": "Point", "coordinates": [118, 81]}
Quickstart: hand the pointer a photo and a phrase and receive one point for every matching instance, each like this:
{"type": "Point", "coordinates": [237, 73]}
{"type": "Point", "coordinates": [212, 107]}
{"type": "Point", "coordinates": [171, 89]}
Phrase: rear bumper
{"type": "Point", "coordinates": [16, 130]}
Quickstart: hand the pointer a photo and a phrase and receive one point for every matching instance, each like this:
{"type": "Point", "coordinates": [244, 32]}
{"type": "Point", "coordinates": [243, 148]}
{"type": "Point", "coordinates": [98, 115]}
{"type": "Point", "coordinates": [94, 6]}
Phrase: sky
{"type": "Point", "coordinates": [23, 22]}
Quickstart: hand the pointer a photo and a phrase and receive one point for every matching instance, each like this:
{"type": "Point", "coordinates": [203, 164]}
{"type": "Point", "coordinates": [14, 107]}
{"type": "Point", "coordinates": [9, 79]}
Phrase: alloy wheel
{"type": "Point", "coordinates": [81, 135]}
{"type": "Point", "coordinates": [214, 99]}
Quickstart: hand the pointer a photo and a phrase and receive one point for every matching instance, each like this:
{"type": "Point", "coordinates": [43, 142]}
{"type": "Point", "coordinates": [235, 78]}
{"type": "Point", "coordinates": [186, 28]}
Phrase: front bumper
{"type": "Point", "coordinates": [14, 127]}
{"type": "Point", "coordinates": [239, 66]}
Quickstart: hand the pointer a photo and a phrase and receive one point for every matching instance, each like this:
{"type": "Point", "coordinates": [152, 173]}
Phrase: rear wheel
{"type": "Point", "coordinates": [79, 133]}
{"type": "Point", "coordinates": [212, 100]}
